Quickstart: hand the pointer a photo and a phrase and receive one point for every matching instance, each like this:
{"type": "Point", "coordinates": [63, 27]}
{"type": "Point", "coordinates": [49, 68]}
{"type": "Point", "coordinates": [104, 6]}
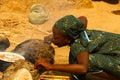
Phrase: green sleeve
{"type": "Point", "coordinates": [77, 48]}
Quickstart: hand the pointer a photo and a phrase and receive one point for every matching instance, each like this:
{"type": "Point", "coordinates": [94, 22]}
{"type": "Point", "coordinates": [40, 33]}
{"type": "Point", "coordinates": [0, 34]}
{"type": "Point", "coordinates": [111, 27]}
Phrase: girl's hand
{"type": "Point", "coordinates": [43, 63]}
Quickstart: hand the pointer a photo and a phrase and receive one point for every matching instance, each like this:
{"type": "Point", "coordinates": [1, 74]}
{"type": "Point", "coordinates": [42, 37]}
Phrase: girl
{"type": "Point", "coordinates": [90, 50]}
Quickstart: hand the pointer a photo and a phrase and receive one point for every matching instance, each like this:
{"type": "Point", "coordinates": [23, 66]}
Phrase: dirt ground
{"type": "Point", "coordinates": [14, 22]}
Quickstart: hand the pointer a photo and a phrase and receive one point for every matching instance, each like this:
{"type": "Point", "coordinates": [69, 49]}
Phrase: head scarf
{"type": "Point", "coordinates": [70, 26]}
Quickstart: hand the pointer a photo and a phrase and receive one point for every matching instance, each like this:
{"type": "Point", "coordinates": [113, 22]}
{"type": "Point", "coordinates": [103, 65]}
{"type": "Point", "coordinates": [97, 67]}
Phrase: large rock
{"type": "Point", "coordinates": [35, 49]}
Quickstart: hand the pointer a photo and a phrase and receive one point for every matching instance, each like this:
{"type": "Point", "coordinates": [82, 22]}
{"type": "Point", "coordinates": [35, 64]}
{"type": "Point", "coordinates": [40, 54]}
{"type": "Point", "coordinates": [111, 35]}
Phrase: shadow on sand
{"type": "Point", "coordinates": [117, 12]}
{"type": "Point", "coordinates": [109, 1]}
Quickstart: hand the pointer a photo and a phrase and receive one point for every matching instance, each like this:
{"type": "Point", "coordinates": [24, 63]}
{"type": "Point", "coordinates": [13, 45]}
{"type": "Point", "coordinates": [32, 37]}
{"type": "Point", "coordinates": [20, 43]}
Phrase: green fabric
{"type": "Point", "coordinates": [104, 48]}
{"type": "Point", "coordinates": [107, 63]}
{"type": "Point", "coordinates": [70, 26]}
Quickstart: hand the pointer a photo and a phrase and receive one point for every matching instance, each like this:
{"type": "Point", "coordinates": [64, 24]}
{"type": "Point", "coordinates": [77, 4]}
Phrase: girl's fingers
{"type": "Point", "coordinates": [39, 62]}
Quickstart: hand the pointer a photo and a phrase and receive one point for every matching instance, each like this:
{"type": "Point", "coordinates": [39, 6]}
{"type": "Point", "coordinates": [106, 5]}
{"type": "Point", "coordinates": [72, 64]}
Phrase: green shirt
{"type": "Point", "coordinates": [100, 42]}
{"type": "Point", "coordinates": [104, 50]}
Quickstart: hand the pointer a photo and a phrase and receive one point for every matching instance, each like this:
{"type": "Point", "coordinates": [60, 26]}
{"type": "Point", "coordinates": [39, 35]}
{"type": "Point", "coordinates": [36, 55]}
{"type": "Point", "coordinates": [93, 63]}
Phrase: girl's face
{"type": "Point", "coordinates": [59, 39]}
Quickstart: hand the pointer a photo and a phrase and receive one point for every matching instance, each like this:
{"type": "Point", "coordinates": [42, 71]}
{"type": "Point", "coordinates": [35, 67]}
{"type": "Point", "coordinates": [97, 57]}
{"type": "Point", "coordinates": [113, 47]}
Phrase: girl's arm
{"type": "Point", "coordinates": [81, 67]}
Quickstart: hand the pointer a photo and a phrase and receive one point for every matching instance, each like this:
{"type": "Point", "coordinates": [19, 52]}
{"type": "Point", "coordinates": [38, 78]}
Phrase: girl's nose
{"type": "Point", "coordinates": [48, 39]}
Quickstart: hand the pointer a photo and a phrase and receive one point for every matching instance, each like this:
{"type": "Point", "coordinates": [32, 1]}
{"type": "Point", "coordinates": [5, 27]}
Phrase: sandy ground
{"type": "Point", "coordinates": [14, 22]}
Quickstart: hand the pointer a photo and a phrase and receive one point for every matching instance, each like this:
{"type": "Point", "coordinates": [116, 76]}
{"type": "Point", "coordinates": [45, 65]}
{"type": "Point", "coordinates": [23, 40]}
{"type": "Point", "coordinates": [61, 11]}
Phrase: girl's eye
{"type": "Point", "coordinates": [55, 37]}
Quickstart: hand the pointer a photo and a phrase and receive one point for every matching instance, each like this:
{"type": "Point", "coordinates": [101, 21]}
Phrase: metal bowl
{"type": "Point", "coordinates": [7, 58]}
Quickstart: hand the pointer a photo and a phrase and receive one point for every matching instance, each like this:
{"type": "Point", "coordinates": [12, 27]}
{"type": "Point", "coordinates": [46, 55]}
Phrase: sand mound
{"type": "Point", "coordinates": [14, 22]}
{"type": "Point", "coordinates": [24, 5]}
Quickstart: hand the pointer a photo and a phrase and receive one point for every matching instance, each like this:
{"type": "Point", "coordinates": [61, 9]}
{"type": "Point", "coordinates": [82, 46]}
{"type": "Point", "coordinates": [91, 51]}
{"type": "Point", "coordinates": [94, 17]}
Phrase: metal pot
{"type": "Point", "coordinates": [7, 58]}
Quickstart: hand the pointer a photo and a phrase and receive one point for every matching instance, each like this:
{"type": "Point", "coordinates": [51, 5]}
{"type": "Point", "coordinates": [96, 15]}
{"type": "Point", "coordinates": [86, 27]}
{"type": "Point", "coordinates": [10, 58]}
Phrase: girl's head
{"type": "Point", "coordinates": [67, 29]}
{"type": "Point", "coordinates": [60, 39]}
